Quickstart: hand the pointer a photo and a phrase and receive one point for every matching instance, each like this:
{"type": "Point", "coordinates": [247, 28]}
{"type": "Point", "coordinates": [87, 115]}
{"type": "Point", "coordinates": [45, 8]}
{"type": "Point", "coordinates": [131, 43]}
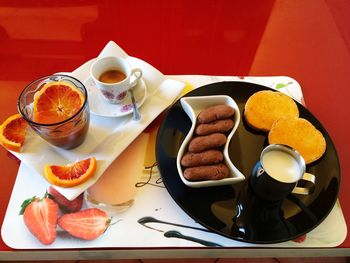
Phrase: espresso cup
{"type": "Point", "coordinates": [279, 172]}
{"type": "Point", "coordinates": [114, 76]}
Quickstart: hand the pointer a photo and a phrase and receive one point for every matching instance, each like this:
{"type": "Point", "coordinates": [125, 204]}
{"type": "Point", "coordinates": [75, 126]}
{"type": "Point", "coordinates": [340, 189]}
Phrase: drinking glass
{"type": "Point", "coordinates": [66, 134]}
{"type": "Point", "coordinates": [116, 189]}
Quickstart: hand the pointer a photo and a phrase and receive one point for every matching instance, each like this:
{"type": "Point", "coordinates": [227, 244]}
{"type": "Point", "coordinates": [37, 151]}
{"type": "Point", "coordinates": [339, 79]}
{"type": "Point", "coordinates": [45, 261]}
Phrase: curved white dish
{"type": "Point", "coordinates": [101, 107]}
{"type": "Point", "coordinates": [193, 106]}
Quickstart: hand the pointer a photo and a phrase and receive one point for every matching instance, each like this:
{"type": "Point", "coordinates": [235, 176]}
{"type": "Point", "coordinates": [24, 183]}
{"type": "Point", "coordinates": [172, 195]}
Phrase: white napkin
{"type": "Point", "coordinates": [107, 137]}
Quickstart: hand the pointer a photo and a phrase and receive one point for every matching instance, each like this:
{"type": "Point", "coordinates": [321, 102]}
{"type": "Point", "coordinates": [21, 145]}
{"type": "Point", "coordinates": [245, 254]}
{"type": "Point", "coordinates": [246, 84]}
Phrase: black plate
{"type": "Point", "coordinates": [234, 211]}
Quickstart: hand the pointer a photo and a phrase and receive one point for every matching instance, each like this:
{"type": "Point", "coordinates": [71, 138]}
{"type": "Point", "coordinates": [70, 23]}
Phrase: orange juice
{"type": "Point", "coordinates": [116, 187]}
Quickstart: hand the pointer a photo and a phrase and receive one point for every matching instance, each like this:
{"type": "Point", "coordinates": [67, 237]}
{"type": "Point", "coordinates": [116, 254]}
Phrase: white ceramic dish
{"type": "Point", "coordinates": [193, 106]}
{"type": "Point", "coordinates": [100, 106]}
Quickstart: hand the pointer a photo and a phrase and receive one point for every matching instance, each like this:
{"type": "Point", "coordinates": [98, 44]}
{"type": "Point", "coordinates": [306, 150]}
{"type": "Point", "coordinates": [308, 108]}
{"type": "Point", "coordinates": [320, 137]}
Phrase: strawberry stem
{"type": "Point", "coordinates": [26, 203]}
{"type": "Point", "coordinates": [31, 199]}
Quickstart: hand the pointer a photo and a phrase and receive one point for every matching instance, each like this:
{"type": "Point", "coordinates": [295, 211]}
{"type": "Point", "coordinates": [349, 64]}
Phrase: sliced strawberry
{"type": "Point", "coordinates": [66, 205]}
{"type": "Point", "coordinates": [40, 217]}
{"type": "Point", "coordinates": [86, 224]}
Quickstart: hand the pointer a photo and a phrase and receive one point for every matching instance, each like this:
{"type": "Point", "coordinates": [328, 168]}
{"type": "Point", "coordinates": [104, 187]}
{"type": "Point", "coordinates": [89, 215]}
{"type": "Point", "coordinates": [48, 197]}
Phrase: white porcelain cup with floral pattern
{"type": "Point", "coordinates": [114, 76]}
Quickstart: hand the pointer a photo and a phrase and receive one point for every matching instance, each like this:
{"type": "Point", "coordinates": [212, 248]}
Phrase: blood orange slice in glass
{"type": "Point", "coordinates": [56, 102]}
{"type": "Point", "coordinates": [12, 133]}
{"type": "Point", "coordinates": [71, 174]}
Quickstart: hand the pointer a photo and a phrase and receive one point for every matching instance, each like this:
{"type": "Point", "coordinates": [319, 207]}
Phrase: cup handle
{"type": "Point", "coordinates": [137, 74]}
{"type": "Point", "coordinates": [310, 184]}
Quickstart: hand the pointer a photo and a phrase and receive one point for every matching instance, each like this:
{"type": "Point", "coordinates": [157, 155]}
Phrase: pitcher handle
{"type": "Point", "coordinates": [310, 184]}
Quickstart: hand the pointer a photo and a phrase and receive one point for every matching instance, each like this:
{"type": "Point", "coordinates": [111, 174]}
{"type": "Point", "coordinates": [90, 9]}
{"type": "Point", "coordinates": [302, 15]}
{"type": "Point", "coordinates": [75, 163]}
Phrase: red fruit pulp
{"type": "Point", "coordinates": [40, 217]}
{"type": "Point", "coordinates": [87, 224]}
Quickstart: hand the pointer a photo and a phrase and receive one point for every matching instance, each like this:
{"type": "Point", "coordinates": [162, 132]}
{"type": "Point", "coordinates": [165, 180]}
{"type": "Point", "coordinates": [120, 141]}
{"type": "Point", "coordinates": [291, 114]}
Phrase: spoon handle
{"type": "Point", "coordinates": [135, 111]}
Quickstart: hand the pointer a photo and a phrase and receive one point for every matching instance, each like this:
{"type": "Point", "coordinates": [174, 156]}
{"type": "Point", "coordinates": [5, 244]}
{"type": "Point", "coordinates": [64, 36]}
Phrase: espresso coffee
{"type": "Point", "coordinates": [112, 76]}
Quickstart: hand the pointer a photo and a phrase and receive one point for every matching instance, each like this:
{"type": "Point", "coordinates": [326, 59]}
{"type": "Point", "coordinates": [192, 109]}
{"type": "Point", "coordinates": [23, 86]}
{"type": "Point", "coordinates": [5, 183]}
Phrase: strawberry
{"type": "Point", "coordinates": [86, 224]}
{"type": "Point", "coordinates": [66, 205]}
{"type": "Point", "coordinates": [40, 217]}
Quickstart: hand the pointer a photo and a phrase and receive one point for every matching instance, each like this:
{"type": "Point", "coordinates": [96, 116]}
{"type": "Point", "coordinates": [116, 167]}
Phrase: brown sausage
{"type": "Point", "coordinates": [215, 126]}
{"type": "Point", "coordinates": [201, 143]}
{"type": "Point", "coordinates": [202, 158]}
{"type": "Point", "coordinates": [207, 172]}
{"type": "Point", "coordinates": [217, 112]}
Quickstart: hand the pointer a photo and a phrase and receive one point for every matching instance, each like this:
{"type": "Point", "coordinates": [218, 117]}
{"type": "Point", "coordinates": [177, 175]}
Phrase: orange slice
{"type": "Point", "coordinates": [13, 132]}
{"type": "Point", "coordinates": [56, 102]}
{"type": "Point", "coordinates": [72, 174]}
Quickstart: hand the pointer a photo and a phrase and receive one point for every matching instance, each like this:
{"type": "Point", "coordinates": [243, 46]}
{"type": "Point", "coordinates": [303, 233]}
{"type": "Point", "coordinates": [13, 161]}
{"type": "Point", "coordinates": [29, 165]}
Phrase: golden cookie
{"type": "Point", "coordinates": [299, 134]}
{"type": "Point", "coordinates": [264, 107]}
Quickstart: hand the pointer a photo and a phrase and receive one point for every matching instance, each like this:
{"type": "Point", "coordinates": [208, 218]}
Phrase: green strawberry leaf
{"type": "Point", "coordinates": [48, 195]}
{"type": "Point", "coordinates": [26, 203]}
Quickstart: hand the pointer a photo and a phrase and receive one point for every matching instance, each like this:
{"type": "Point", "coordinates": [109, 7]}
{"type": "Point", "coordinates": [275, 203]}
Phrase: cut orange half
{"type": "Point", "coordinates": [56, 102]}
{"type": "Point", "coordinates": [71, 174]}
{"type": "Point", "coordinates": [12, 133]}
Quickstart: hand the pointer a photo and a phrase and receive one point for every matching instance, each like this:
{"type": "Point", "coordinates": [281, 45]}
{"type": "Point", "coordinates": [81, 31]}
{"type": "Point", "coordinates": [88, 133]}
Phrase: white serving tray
{"type": "Point", "coordinates": [154, 201]}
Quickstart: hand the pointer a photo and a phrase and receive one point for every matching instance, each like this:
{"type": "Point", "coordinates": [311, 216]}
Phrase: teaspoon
{"type": "Point", "coordinates": [135, 111]}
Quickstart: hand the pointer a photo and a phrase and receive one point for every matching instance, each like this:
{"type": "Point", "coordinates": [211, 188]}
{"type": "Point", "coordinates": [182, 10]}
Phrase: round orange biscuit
{"type": "Point", "coordinates": [299, 134]}
{"type": "Point", "coordinates": [264, 107]}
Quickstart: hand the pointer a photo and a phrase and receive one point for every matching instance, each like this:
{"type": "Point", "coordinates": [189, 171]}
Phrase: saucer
{"type": "Point", "coordinates": [100, 106]}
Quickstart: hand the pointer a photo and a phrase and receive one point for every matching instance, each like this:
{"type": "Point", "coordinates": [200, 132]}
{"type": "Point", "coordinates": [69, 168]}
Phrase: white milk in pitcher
{"type": "Point", "coordinates": [281, 166]}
